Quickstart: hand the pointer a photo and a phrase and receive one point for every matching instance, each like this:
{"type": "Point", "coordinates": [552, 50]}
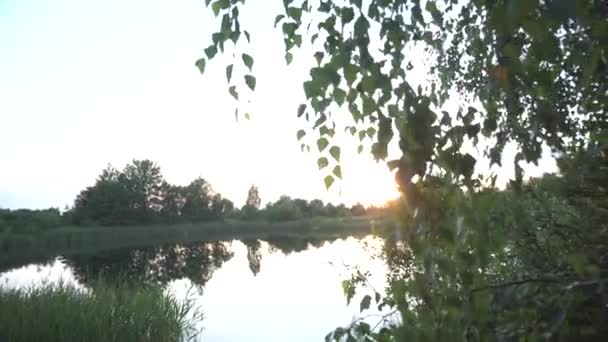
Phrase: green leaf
{"type": "Point", "coordinates": [337, 171]}
{"type": "Point", "coordinates": [248, 60]}
{"type": "Point", "coordinates": [328, 180]}
{"type": "Point", "coordinates": [363, 329]}
{"type": "Point", "coordinates": [301, 109]}
{"type": "Point", "coordinates": [320, 120]}
{"type": "Point", "coordinates": [361, 26]}
{"type": "Point", "coordinates": [322, 162]}
{"type": "Point", "coordinates": [319, 57]}
{"type": "Point", "coordinates": [393, 110]}
{"type": "Point", "coordinates": [369, 105]}
{"type": "Point", "coordinates": [229, 72]}
{"type": "Point", "coordinates": [278, 19]}
{"type": "Point", "coordinates": [247, 36]}
{"type": "Point", "coordinates": [288, 58]}
{"type": "Point", "coordinates": [347, 15]}
{"type": "Point", "coordinates": [301, 133]}
{"type": "Point", "coordinates": [250, 80]}
{"type": "Point", "coordinates": [233, 92]}
{"type": "Point", "coordinates": [467, 165]}
{"type": "Point", "coordinates": [220, 5]}
{"type": "Point", "coordinates": [370, 132]}
{"type": "Point", "coordinates": [289, 29]}
{"type": "Point", "coordinates": [200, 64]}
{"type": "Point", "coordinates": [322, 144]}
{"type": "Point", "coordinates": [350, 73]}
{"type": "Point", "coordinates": [247, 116]}
{"type": "Point", "coordinates": [211, 51]}
{"type": "Point", "coordinates": [365, 303]}
{"type": "Point", "coordinates": [297, 40]}
{"type": "Point", "coordinates": [360, 149]}
{"type": "Point", "coordinates": [334, 151]}
{"type": "Point", "coordinates": [295, 13]}
{"type": "Point", "coordinates": [339, 96]}
{"type": "Point", "coordinates": [361, 135]}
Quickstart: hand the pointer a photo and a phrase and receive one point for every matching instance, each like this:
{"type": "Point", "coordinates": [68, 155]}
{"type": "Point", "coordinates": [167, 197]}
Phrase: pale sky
{"type": "Point", "coordinates": [87, 83]}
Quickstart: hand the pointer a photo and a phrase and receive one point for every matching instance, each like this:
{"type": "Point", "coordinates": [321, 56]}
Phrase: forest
{"type": "Point", "coordinates": [139, 195]}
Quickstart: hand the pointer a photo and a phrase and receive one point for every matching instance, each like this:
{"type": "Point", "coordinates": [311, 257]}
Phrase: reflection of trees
{"type": "Point", "coordinates": [254, 254]}
{"type": "Point", "coordinates": [286, 245]}
{"type": "Point", "coordinates": [289, 245]}
{"type": "Point", "coordinates": [158, 264]}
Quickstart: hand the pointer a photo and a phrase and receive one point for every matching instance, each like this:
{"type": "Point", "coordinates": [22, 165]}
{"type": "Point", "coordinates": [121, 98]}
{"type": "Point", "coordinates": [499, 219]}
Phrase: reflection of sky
{"type": "Point", "coordinates": [52, 273]}
{"type": "Point", "coordinates": [294, 297]}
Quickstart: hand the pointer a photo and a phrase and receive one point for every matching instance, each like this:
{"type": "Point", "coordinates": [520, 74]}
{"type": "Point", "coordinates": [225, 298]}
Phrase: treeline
{"type": "Point", "coordinates": [139, 194]}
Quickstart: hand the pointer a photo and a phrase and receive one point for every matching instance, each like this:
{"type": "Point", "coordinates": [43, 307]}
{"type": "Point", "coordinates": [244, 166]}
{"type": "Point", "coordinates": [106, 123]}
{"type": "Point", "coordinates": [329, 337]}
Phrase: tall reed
{"type": "Point", "coordinates": [108, 312]}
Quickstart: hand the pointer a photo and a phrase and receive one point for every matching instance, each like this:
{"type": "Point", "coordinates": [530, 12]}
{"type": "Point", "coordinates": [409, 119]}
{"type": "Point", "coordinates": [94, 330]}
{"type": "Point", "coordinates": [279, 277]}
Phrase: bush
{"type": "Point", "coordinates": [283, 210]}
{"type": "Point", "coordinates": [30, 221]}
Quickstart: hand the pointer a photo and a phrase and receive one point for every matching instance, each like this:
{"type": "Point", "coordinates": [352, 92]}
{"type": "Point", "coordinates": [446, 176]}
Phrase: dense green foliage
{"type": "Point", "coordinates": [527, 262]}
{"type": "Point", "coordinates": [108, 312]}
{"type": "Point", "coordinates": [476, 264]}
{"type": "Point", "coordinates": [30, 221]}
{"type": "Point", "coordinates": [139, 194]}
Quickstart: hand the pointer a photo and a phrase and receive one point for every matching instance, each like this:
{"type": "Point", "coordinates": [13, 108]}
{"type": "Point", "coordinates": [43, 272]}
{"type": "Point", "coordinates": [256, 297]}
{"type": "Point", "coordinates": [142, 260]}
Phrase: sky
{"type": "Point", "coordinates": [84, 84]}
{"type": "Point", "coordinates": [87, 83]}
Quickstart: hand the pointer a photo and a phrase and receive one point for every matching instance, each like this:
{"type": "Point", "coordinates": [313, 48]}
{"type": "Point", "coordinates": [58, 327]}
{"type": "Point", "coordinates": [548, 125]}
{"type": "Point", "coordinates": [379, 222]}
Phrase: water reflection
{"type": "Point", "coordinates": [157, 265]}
{"type": "Point", "coordinates": [254, 254]}
{"type": "Point", "coordinates": [162, 264]}
{"type": "Point", "coordinates": [276, 289]}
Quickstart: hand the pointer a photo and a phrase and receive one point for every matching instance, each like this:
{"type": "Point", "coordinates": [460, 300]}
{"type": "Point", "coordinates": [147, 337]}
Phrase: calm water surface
{"type": "Point", "coordinates": [252, 290]}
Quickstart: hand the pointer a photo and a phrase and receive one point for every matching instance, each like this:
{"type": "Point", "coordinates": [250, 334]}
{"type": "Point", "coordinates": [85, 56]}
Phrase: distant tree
{"type": "Point", "coordinates": [228, 207]}
{"type": "Point", "coordinates": [303, 206]}
{"type": "Point", "coordinates": [108, 202]}
{"type": "Point", "coordinates": [358, 210]}
{"type": "Point", "coordinates": [317, 207]}
{"type": "Point", "coordinates": [172, 202]}
{"type": "Point", "coordinates": [253, 197]}
{"type": "Point", "coordinates": [252, 204]}
{"type": "Point", "coordinates": [144, 179]}
{"type": "Point", "coordinates": [331, 210]}
{"type": "Point", "coordinates": [29, 221]}
{"type": "Point", "coordinates": [140, 195]}
{"type": "Point", "coordinates": [342, 210]}
{"type": "Point", "coordinates": [198, 197]}
{"type": "Point", "coordinates": [285, 209]}
{"type": "Point", "coordinates": [220, 206]}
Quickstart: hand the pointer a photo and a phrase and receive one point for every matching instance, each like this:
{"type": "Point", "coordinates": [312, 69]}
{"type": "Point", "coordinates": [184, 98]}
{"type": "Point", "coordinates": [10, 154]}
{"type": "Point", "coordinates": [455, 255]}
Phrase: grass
{"type": "Point", "coordinates": [116, 312]}
{"type": "Point", "coordinates": [20, 249]}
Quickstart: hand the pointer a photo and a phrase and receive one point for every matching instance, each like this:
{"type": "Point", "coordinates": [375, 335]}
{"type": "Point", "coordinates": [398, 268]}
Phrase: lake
{"type": "Point", "coordinates": [281, 289]}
